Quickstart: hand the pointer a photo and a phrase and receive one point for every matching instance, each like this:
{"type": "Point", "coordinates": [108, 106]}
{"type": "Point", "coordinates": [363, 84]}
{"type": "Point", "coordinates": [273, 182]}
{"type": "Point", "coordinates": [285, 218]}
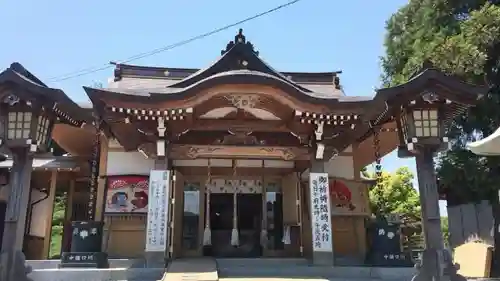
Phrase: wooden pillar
{"type": "Point", "coordinates": [361, 236]}
{"type": "Point", "coordinates": [12, 258]}
{"type": "Point", "coordinates": [177, 214]}
{"type": "Point", "coordinates": [68, 217]}
{"type": "Point", "coordinates": [49, 215]}
{"type": "Point", "coordinates": [101, 182]}
{"type": "Point", "coordinates": [69, 201]}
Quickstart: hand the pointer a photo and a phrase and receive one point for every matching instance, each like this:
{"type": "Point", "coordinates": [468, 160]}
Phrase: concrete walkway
{"type": "Point", "coordinates": [202, 269]}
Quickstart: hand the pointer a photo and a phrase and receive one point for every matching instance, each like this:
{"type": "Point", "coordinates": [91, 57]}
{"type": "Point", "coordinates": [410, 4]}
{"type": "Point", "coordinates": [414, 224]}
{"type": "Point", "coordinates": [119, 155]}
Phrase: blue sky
{"type": "Point", "coordinates": [54, 38]}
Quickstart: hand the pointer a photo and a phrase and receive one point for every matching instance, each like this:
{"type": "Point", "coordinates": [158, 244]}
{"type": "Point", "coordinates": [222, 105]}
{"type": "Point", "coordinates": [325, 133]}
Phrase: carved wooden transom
{"type": "Point", "coordinates": [243, 101]}
{"type": "Point", "coordinates": [232, 186]}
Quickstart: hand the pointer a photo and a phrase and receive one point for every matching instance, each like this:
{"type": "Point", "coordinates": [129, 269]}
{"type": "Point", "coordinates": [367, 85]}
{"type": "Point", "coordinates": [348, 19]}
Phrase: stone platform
{"type": "Point", "coordinates": [205, 269]}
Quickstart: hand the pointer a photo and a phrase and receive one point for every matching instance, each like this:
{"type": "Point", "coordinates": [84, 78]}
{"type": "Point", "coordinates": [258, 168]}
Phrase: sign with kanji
{"type": "Point", "coordinates": [158, 207]}
{"type": "Point", "coordinates": [320, 212]}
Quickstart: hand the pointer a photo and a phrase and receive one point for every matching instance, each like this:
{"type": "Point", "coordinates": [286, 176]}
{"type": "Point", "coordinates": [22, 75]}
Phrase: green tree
{"type": "Point", "coordinates": [461, 37]}
{"type": "Point", "coordinates": [57, 225]}
{"type": "Point", "coordinates": [395, 194]}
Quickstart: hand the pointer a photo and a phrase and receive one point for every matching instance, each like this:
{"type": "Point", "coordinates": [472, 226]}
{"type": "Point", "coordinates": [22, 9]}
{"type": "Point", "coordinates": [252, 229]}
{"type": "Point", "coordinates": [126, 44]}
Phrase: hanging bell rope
{"type": "Point", "coordinates": [207, 233]}
{"type": "Point", "coordinates": [235, 240]}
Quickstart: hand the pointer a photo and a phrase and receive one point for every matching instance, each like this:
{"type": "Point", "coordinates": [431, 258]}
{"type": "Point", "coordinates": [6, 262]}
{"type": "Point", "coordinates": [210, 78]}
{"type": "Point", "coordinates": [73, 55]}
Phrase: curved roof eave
{"type": "Point", "coordinates": [466, 92]}
{"type": "Point", "coordinates": [228, 77]}
{"type": "Point", "coordinates": [54, 95]}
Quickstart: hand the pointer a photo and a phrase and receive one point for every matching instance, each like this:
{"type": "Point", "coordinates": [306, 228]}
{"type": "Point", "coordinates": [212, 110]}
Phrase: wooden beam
{"type": "Point", "coordinates": [242, 125]}
{"type": "Point", "coordinates": [49, 215]}
{"type": "Point", "coordinates": [228, 171]}
{"type": "Point", "coordinates": [179, 152]}
{"type": "Point", "coordinates": [69, 201]}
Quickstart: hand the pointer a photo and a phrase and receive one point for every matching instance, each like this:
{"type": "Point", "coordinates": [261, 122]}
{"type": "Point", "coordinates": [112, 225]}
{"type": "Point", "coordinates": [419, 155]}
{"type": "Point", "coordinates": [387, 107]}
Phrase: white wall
{"type": "Point", "coordinates": [340, 166]}
{"type": "Point", "coordinates": [39, 214]}
{"type": "Point", "coordinates": [128, 163]}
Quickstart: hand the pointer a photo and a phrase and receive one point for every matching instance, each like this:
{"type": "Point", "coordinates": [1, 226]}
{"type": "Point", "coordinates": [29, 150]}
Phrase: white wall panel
{"type": "Point", "coordinates": [128, 163]}
{"type": "Point", "coordinates": [340, 166]}
{"type": "Point", "coordinates": [40, 212]}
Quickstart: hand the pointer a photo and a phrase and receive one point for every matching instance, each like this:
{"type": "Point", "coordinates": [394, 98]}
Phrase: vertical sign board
{"type": "Point", "coordinates": [158, 207]}
{"type": "Point", "coordinates": [320, 212]}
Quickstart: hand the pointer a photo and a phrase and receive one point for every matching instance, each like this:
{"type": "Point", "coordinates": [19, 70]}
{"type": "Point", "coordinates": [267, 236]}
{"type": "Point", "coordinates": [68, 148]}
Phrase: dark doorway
{"type": "Point", "coordinates": [221, 223]}
{"type": "Point", "coordinates": [249, 210]}
{"type": "Point", "coordinates": [249, 224]}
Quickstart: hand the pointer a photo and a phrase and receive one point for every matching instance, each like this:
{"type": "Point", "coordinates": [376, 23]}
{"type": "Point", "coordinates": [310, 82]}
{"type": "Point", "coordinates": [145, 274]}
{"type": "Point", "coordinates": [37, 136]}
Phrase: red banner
{"type": "Point", "coordinates": [127, 194]}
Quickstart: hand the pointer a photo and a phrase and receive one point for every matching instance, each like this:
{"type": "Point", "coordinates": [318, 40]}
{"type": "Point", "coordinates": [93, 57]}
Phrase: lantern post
{"type": "Point", "coordinates": [421, 129]}
{"type": "Point", "coordinates": [26, 129]}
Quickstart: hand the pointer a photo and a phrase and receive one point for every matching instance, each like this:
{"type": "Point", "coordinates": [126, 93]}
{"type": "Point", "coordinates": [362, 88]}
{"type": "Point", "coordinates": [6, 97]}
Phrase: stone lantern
{"type": "Point", "coordinates": [28, 111]}
{"type": "Point", "coordinates": [27, 129]}
{"type": "Point", "coordinates": [422, 133]}
{"type": "Point", "coordinates": [28, 124]}
{"type": "Point", "coordinates": [421, 124]}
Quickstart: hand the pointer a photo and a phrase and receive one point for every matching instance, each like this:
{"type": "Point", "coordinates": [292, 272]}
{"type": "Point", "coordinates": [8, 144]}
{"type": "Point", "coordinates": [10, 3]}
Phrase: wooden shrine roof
{"type": "Point", "coordinates": [28, 86]}
{"type": "Point", "coordinates": [299, 101]}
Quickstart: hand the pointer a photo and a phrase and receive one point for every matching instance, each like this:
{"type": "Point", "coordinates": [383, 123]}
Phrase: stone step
{"type": "Point", "coordinates": [195, 269]}
{"type": "Point", "coordinates": [264, 268]}
{"type": "Point", "coordinates": [92, 274]}
{"type": "Point", "coordinates": [113, 263]}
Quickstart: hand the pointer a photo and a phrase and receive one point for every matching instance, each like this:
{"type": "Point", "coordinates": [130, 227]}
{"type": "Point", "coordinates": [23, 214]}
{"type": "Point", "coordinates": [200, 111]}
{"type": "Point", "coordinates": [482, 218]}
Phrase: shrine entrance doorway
{"type": "Point", "coordinates": [248, 220]}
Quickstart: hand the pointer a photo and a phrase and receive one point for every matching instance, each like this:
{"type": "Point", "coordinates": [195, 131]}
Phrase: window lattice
{"type": "Point", "coordinates": [42, 129]}
{"type": "Point", "coordinates": [19, 124]}
{"type": "Point", "coordinates": [404, 124]}
{"type": "Point", "coordinates": [426, 123]}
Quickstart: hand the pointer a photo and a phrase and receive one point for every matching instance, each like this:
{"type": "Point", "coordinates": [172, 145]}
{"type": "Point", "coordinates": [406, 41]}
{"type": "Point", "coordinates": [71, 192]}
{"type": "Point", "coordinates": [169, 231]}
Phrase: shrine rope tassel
{"type": "Point", "coordinates": [376, 146]}
{"type": "Point", "coordinates": [207, 233]}
{"type": "Point", "coordinates": [235, 240]}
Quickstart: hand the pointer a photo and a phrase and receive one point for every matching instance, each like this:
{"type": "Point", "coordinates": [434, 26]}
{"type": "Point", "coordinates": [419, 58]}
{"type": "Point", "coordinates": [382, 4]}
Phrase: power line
{"type": "Point", "coordinates": [90, 70]}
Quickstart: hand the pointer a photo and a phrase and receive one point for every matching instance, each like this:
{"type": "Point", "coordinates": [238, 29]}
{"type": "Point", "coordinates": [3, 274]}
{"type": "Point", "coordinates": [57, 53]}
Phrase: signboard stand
{"type": "Point", "coordinates": [320, 209]}
{"type": "Point", "coordinates": [157, 218]}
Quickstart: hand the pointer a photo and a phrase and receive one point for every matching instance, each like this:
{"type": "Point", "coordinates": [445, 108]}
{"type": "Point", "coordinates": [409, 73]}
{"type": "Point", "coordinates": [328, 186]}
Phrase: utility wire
{"type": "Point", "coordinates": [90, 70]}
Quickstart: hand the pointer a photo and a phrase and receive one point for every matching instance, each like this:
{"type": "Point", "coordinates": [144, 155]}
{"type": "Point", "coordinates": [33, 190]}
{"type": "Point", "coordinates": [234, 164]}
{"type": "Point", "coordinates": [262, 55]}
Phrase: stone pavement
{"type": "Point", "coordinates": [295, 279]}
{"type": "Point", "coordinates": [202, 269]}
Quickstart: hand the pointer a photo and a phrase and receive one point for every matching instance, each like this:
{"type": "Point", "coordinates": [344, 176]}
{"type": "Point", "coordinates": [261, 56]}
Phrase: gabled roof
{"type": "Point", "coordinates": [238, 57]}
{"type": "Point", "coordinates": [66, 109]}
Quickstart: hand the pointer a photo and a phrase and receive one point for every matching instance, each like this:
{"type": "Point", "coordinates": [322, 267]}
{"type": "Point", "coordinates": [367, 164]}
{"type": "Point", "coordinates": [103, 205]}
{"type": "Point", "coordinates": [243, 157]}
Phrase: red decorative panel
{"type": "Point", "coordinates": [127, 194]}
{"type": "Point", "coordinates": [341, 195]}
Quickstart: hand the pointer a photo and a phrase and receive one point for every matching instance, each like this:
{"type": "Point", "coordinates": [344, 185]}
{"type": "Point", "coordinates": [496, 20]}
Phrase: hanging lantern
{"type": "Point", "coordinates": [422, 123]}
{"type": "Point", "coordinates": [29, 123]}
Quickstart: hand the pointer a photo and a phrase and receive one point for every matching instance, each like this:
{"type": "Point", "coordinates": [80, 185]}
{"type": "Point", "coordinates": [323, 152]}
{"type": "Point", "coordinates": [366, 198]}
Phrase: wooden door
{"type": "Point", "coordinates": [345, 242]}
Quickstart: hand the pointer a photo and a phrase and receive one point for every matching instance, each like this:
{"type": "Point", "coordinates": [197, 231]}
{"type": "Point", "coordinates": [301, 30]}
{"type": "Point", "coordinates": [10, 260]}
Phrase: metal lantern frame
{"type": "Point", "coordinates": [422, 123]}
{"type": "Point", "coordinates": [29, 123]}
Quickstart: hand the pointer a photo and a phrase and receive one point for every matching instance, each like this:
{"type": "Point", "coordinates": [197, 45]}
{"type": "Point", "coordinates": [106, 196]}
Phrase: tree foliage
{"type": "Point", "coordinates": [394, 193]}
{"type": "Point", "coordinates": [461, 37]}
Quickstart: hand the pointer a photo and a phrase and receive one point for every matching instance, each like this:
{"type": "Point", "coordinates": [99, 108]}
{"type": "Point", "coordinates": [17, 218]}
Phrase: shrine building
{"type": "Point", "coordinates": [241, 142]}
